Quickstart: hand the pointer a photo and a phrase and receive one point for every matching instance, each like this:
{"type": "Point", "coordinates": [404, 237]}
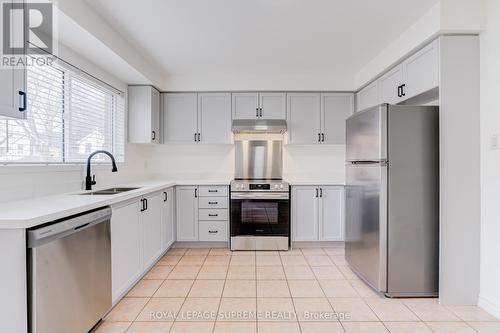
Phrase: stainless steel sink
{"type": "Point", "coordinates": [111, 191]}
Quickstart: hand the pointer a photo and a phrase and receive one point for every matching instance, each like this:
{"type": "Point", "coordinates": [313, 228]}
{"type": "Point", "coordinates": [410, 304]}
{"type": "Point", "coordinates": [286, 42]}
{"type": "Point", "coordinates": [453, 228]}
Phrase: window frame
{"type": "Point", "coordinates": [64, 165]}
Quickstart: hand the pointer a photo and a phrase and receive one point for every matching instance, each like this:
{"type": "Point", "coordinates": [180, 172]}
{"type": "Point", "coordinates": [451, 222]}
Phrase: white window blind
{"type": "Point", "coordinates": [69, 116]}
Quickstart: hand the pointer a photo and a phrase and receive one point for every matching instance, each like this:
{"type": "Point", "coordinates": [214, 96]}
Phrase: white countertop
{"type": "Point", "coordinates": [304, 182]}
{"type": "Point", "coordinates": [35, 211]}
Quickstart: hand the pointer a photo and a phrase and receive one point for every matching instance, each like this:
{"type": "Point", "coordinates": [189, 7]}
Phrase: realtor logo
{"type": "Point", "coordinates": [27, 29]}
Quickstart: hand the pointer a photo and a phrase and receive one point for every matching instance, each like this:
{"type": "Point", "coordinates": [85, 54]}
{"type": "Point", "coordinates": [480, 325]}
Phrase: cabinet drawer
{"type": "Point", "coordinates": [213, 202]}
{"type": "Point", "coordinates": [213, 191]}
{"type": "Point", "coordinates": [213, 231]}
{"type": "Point", "coordinates": [213, 214]}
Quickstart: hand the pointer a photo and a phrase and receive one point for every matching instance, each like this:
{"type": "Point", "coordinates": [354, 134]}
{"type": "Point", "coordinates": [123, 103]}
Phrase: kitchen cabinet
{"type": "Point", "coordinates": [368, 96]}
{"type": "Point", "coordinates": [335, 109]}
{"type": "Point", "coordinates": [196, 118]}
{"type": "Point", "coordinates": [13, 88]}
{"type": "Point", "coordinates": [144, 114]}
{"type": "Point", "coordinates": [317, 213]}
{"type": "Point", "coordinates": [422, 71]}
{"type": "Point", "coordinates": [214, 118]}
{"type": "Point", "coordinates": [179, 117]}
{"type": "Point", "coordinates": [151, 228]}
{"type": "Point", "coordinates": [304, 118]}
{"type": "Point", "coordinates": [259, 105]}
{"type": "Point", "coordinates": [202, 213]}
{"type": "Point", "coordinates": [136, 240]}
{"type": "Point", "coordinates": [391, 86]}
{"type": "Point", "coordinates": [167, 218]}
{"type": "Point", "coordinates": [315, 118]}
{"type": "Point", "coordinates": [126, 247]}
{"type": "Point", "coordinates": [187, 213]}
{"type": "Point", "coordinates": [417, 74]}
{"type": "Point", "coordinates": [305, 213]}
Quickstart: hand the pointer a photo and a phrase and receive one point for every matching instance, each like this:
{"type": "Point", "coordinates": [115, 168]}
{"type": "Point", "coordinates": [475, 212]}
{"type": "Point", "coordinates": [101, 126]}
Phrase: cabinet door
{"type": "Point", "coordinates": [13, 97]}
{"type": "Point", "coordinates": [273, 105]}
{"type": "Point", "coordinates": [151, 229]}
{"type": "Point", "coordinates": [126, 245]}
{"type": "Point", "coordinates": [186, 198]}
{"type": "Point", "coordinates": [331, 213]}
{"type": "Point", "coordinates": [245, 105]}
{"type": "Point", "coordinates": [155, 116]}
{"type": "Point", "coordinates": [140, 114]}
{"type": "Point", "coordinates": [167, 218]}
{"type": "Point", "coordinates": [305, 213]}
{"type": "Point", "coordinates": [335, 109]}
{"type": "Point", "coordinates": [389, 84]}
{"type": "Point", "coordinates": [368, 96]}
{"type": "Point", "coordinates": [214, 117]}
{"type": "Point", "coordinates": [180, 117]}
{"type": "Point", "coordinates": [304, 118]}
{"type": "Point", "coordinates": [421, 71]}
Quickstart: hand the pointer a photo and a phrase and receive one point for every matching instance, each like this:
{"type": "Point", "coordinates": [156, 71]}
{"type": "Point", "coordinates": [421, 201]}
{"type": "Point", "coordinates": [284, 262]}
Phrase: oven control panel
{"type": "Point", "coordinates": [259, 186]}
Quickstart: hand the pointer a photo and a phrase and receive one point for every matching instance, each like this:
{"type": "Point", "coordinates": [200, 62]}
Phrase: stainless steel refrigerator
{"type": "Point", "coordinates": [392, 199]}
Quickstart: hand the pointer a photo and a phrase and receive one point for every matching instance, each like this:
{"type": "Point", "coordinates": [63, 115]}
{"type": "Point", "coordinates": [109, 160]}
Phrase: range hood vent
{"type": "Point", "coordinates": [259, 126]}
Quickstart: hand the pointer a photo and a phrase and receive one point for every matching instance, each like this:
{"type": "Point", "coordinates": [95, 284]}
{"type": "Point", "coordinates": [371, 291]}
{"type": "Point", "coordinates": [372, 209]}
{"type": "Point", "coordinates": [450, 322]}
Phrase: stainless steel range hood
{"type": "Point", "coordinates": [259, 126]}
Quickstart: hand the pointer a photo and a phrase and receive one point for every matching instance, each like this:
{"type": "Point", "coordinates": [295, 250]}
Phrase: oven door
{"type": "Point", "coordinates": [260, 214]}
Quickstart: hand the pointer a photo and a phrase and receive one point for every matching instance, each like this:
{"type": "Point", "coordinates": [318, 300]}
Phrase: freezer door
{"type": "Point", "coordinates": [366, 222]}
{"type": "Point", "coordinates": [366, 135]}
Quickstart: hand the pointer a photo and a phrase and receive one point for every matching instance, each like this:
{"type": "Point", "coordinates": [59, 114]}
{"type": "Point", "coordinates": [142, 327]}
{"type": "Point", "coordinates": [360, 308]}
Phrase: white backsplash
{"type": "Point", "coordinates": [23, 182]}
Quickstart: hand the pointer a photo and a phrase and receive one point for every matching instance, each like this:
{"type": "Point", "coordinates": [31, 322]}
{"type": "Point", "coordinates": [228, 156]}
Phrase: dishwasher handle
{"type": "Point", "coordinates": [61, 228]}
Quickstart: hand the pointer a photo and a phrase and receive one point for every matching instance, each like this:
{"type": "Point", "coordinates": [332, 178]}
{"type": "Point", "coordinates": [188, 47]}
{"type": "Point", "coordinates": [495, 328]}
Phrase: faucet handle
{"type": "Point", "coordinates": [93, 180]}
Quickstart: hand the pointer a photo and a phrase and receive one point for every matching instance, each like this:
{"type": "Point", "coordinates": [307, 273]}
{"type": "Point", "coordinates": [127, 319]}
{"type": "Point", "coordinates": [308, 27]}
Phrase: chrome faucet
{"type": "Point", "coordinates": [89, 181]}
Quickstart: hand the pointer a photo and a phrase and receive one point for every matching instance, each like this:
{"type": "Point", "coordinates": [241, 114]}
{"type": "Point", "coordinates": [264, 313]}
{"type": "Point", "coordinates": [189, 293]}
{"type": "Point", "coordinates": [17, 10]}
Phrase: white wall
{"type": "Point", "coordinates": [489, 297]}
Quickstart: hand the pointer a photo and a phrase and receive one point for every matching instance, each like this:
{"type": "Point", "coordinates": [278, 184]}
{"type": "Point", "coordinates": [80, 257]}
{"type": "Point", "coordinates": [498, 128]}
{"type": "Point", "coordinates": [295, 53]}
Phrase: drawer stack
{"type": "Point", "coordinates": [213, 213]}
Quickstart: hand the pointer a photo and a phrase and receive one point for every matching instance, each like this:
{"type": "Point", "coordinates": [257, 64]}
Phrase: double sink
{"type": "Point", "coordinates": [111, 191]}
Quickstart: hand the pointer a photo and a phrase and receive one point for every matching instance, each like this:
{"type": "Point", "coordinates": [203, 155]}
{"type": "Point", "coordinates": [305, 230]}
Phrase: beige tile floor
{"type": "Point", "coordinates": [308, 290]}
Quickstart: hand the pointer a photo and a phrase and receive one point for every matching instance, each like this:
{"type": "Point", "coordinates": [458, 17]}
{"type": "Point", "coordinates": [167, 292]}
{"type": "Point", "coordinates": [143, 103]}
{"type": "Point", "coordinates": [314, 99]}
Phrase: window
{"type": "Point", "coordinates": [69, 116]}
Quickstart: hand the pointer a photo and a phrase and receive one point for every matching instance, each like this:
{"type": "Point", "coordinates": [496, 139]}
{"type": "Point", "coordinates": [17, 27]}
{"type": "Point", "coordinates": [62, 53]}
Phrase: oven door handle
{"type": "Point", "coordinates": [260, 196]}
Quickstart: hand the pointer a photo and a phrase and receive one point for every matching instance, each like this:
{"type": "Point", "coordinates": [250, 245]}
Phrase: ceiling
{"type": "Point", "coordinates": [225, 39]}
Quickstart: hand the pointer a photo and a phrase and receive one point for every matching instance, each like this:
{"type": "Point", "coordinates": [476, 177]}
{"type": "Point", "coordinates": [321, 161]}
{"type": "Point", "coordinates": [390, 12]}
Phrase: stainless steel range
{"type": "Point", "coordinates": [260, 200]}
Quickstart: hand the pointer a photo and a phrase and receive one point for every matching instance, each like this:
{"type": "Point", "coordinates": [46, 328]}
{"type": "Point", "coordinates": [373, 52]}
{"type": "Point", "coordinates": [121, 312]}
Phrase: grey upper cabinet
{"type": "Point", "coordinates": [214, 117]}
{"type": "Point", "coordinates": [143, 114]}
{"type": "Point", "coordinates": [315, 118]}
{"type": "Point", "coordinates": [13, 94]}
{"type": "Point", "coordinates": [272, 105]}
{"type": "Point", "coordinates": [245, 105]}
{"type": "Point", "coordinates": [180, 117]}
{"type": "Point", "coordinates": [418, 74]}
{"type": "Point", "coordinates": [391, 86]}
{"type": "Point", "coordinates": [304, 118]}
{"type": "Point", "coordinates": [335, 109]}
{"type": "Point", "coordinates": [196, 118]}
{"type": "Point", "coordinates": [368, 96]}
{"type": "Point", "coordinates": [421, 70]}
{"type": "Point", "coordinates": [263, 105]}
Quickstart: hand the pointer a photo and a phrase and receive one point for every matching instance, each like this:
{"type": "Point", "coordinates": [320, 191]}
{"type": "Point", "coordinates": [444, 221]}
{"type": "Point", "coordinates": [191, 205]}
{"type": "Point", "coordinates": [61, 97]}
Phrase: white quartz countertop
{"type": "Point", "coordinates": [303, 182]}
{"type": "Point", "coordinates": [35, 211]}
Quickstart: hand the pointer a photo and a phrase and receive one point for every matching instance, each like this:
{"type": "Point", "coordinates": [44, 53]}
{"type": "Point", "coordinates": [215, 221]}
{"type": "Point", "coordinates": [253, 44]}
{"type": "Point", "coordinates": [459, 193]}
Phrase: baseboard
{"type": "Point", "coordinates": [316, 244]}
{"type": "Point", "coordinates": [200, 245]}
{"type": "Point", "coordinates": [489, 306]}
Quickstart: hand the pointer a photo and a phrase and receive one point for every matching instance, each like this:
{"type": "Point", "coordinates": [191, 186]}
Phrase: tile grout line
{"type": "Point", "coordinates": [222, 292]}
{"type": "Point", "coordinates": [290, 291]}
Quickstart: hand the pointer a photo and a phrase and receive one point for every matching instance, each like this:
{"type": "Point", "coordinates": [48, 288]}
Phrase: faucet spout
{"type": "Point", "coordinates": [89, 181]}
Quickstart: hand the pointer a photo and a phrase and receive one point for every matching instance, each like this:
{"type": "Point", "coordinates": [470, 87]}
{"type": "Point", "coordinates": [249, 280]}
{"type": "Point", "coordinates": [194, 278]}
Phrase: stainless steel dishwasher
{"type": "Point", "coordinates": [69, 263]}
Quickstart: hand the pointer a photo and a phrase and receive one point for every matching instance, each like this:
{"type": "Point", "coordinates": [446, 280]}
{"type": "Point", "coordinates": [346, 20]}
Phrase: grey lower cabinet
{"type": "Point", "coordinates": [136, 240]}
{"type": "Point", "coordinates": [168, 218]}
{"type": "Point", "coordinates": [192, 118]}
{"type": "Point", "coordinates": [318, 118]}
{"type": "Point", "coordinates": [318, 213]}
{"type": "Point", "coordinates": [202, 213]}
